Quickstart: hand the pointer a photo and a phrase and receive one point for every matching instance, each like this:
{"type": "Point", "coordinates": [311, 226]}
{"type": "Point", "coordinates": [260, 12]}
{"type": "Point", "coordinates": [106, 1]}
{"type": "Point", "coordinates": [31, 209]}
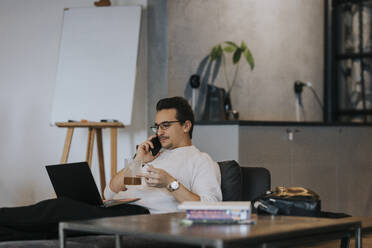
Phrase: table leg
{"type": "Point", "coordinates": [66, 147]}
{"type": "Point", "coordinates": [358, 237]}
{"type": "Point", "coordinates": [101, 161]}
{"type": "Point", "coordinates": [117, 241]}
{"type": "Point", "coordinates": [114, 136]}
{"type": "Point", "coordinates": [90, 146]}
{"type": "Point", "coordinates": [62, 237]}
{"type": "Point", "coordinates": [218, 244]}
{"type": "Point", "coordinates": [345, 242]}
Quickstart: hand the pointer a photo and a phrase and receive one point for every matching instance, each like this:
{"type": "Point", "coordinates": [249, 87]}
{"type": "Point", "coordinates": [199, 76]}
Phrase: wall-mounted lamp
{"type": "Point", "coordinates": [298, 87]}
{"type": "Point", "coordinates": [195, 84]}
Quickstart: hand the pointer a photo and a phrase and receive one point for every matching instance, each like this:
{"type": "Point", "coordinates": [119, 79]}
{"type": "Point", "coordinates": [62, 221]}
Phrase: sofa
{"type": "Point", "coordinates": [237, 184]}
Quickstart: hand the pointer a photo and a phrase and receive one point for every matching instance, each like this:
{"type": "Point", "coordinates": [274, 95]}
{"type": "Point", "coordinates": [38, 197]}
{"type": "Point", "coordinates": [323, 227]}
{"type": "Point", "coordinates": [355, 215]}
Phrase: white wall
{"type": "Point", "coordinates": [29, 37]}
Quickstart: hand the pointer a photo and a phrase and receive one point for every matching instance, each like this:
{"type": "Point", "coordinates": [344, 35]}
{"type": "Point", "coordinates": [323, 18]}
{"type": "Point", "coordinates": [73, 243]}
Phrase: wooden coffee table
{"type": "Point", "coordinates": [269, 231]}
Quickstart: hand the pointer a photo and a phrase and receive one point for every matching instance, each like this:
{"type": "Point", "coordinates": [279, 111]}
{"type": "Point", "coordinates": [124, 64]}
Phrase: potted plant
{"type": "Point", "coordinates": [218, 55]}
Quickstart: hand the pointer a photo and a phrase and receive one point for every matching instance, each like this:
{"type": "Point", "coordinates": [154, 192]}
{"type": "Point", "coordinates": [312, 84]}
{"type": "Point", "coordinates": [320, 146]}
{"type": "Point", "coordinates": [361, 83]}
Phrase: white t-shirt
{"type": "Point", "coordinates": [194, 169]}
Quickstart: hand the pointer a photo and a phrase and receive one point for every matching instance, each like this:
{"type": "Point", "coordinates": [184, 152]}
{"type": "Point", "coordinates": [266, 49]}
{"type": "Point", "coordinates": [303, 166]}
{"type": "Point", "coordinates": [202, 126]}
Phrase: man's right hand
{"type": "Point", "coordinates": [144, 153]}
{"type": "Point", "coordinates": [117, 182]}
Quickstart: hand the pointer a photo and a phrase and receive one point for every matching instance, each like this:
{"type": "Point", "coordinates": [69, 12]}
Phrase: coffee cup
{"type": "Point", "coordinates": [132, 171]}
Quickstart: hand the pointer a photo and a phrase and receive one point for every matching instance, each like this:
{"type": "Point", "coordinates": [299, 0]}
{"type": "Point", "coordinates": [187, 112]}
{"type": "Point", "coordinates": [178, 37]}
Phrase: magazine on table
{"type": "Point", "coordinates": [218, 212]}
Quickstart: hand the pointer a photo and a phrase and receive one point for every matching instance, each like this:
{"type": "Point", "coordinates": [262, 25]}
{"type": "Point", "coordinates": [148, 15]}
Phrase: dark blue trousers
{"type": "Point", "coordinates": [40, 221]}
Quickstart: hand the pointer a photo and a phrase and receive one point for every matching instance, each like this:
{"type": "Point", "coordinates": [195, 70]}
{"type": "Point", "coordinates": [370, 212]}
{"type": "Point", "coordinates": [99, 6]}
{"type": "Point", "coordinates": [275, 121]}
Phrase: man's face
{"type": "Point", "coordinates": [172, 135]}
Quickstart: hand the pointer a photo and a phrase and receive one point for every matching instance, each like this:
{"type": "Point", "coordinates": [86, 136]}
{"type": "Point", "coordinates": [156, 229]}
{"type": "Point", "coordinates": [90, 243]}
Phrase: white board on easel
{"type": "Point", "coordinates": [97, 64]}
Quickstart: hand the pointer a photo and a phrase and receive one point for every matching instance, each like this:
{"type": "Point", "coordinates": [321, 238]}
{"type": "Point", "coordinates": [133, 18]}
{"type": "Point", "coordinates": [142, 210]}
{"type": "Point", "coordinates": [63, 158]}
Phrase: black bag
{"type": "Point", "coordinates": [295, 201]}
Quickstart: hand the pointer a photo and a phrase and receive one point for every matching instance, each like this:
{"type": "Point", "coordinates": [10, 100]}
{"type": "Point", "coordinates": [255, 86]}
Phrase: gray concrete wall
{"type": "Point", "coordinates": [285, 37]}
{"type": "Point", "coordinates": [335, 162]}
{"type": "Point", "coordinates": [157, 77]}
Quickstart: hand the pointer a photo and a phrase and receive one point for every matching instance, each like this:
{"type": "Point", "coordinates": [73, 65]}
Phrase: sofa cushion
{"type": "Point", "coordinates": [256, 181]}
{"type": "Point", "coordinates": [231, 180]}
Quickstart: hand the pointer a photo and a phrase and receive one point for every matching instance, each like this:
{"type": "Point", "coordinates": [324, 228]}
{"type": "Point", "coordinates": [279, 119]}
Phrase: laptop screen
{"type": "Point", "coordinates": [74, 181]}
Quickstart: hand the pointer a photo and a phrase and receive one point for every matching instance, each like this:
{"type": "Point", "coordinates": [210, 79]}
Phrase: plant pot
{"type": "Point", "coordinates": [230, 113]}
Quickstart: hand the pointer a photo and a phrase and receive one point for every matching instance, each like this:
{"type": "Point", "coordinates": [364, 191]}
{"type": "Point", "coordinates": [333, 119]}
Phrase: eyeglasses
{"type": "Point", "coordinates": [163, 126]}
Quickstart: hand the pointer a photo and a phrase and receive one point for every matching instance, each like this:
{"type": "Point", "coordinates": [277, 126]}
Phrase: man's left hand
{"type": "Point", "coordinates": [156, 177]}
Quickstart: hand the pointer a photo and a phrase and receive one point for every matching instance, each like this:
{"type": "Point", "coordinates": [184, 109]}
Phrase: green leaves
{"type": "Point", "coordinates": [249, 57]}
{"type": "Point", "coordinates": [237, 55]}
{"type": "Point", "coordinates": [237, 51]}
{"type": "Point", "coordinates": [216, 52]}
{"type": "Point", "coordinates": [231, 44]}
{"type": "Point", "coordinates": [229, 49]}
{"type": "Point", "coordinates": [217, 56]}
{"type": "Point", "coordinates": [243, 46]}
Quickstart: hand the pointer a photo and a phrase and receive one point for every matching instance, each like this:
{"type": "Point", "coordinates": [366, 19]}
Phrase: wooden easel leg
{"type": "Point", "coordinates": [66, 147]}
{"type": "Point", "coordinates": [101, 160]}
{"type": "Point", "coordinates": [114, 142]}
{"type": "Point", "coordinates": [90, 146]}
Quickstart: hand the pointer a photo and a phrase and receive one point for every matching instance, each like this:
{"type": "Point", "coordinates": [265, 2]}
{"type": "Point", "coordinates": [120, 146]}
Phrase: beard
{"type": "Point", "coordinates": [165, 145]}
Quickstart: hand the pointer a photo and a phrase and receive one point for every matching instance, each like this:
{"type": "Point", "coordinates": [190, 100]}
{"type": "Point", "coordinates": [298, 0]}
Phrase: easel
{"type": "Point", "coordinates": [94, 127]}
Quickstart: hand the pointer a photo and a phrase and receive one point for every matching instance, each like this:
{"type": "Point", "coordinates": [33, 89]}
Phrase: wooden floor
{"type": "Point", "coordinates": [367, 243]}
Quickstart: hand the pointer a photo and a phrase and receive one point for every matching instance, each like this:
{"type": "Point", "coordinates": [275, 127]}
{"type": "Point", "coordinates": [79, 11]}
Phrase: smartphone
{"type": "Point", "coordinates": [157, 146]}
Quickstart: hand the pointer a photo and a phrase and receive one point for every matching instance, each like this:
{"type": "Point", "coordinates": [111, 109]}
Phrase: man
{"type": "Point", "coordinates": [180, 172]}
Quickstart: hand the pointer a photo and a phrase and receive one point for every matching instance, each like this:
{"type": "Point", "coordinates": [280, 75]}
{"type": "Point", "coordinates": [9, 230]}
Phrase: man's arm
{"type": "Point", "coordinates": [117, 182]}
{"type": "Point", "coordinates": [207, 180]}
{"type": "Point", "coordinates": [161, 179]}
{"type": "Point", "coordinates": [143, 155]}
{"type": "Point", "coordinates": [183, 194]}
